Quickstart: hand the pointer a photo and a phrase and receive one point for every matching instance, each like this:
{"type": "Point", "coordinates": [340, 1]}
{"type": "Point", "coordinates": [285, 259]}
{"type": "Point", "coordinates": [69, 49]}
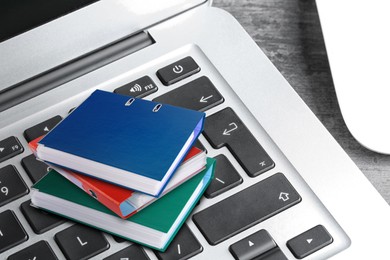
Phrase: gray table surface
{"type": "Point", "coordinates": [289, 33]}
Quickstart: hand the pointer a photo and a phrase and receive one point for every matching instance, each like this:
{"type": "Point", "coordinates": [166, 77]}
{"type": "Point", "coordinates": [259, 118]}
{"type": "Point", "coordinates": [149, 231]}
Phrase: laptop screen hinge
{"type": "Point", "coordinates": [73, 69]}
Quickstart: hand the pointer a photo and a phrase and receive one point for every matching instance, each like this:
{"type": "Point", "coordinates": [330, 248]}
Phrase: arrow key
{"type": "Point", "coordinates": [10, 147]}
{"type": "Point", "coordinates": [309, 241]}
{"type": "Point", "coordinates": [252, 246]}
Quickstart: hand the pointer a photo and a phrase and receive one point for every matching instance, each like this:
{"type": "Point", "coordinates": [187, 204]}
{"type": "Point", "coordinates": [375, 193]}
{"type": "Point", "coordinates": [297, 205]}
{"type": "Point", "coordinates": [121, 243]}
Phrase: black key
{"type": "Point", "coordinates": [132, 252]}
{"type": "Point", "coordinates": [138, 88]}
{"type": "Point", "coordinates": [183, 246]}
{"type": "Point", "coordinates": [309, 242]}
{"type": "Point", "coordinates": [177, 71]}
{"type": "Point", "coordinates": [11, 185]}
{"type": "Point", "coordinates": [225, 128]}
{"type": "Point", "coordinates": [81, 242]}
{"type": "Point", "coordinates": [35, 168]}
{"type": "Point", "coordinates": [11, 231]}
{"type": "Point", "coordinates": [246, 208]}
{"type": "Point", "coordinates": [37, 251]}
{"type": "Point", "coordinates": [252, 246]}
{"type": "Point", "coordinates": [199, 145]}
{"type": "Point", "coordinates": [273, 254]}
{"type": "Point", "coordinates": [10, 147]}
{"type": "Point", "coordinates": [119, 239]}
{"type": "Point", "coordinates": [199, 94]}
{"type": "Point", "coordinates": [41, 128]}
{"type": "Point", "coordinates": [39, 220]}
{"type": "Point", "coordinates": [225, 177]}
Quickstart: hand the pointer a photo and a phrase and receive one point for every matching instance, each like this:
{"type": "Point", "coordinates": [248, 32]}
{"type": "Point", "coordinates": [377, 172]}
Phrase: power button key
{"type": "Point", "coordinates": [177, 71]}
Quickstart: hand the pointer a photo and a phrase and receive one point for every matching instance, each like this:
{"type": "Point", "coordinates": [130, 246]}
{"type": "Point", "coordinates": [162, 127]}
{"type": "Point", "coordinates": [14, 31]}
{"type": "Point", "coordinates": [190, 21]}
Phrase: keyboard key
{"type": "Point", "coordinates": [177, 71]}
{"type": "Point", "coordinates": [35, 168]}
{"type": "Point", "coordinates": [10, 147]}
{"type": "Point", "coordinates": [246, 208]}
{"type": "Point", "coordinates": [199, 145]}
{"type": "Point", "coordinates": [199, 94]}
{"type": "Point", "coordinates": [132, 252]}
{"type": "Point", "coordinates": [11, 231]}
{"type": "Point", "coordinates": [81, 242]}
{"type": "Point", "coordinates": [39, 220]}
{"type": "Point", "coordinates": [225, 128]}
{"type": "Point", "coordinates": [138, 88]}
{"type": "Point", "coordinates": [183, 246]}
{"type": "Point", "coordinates": [273, 254]}
{"type": "Point", "coordinates": [252, 246]}
{"type": "Point", "coordinates": [309, 242]}
{"type": "Point", "coordinates": [119, 239]}
{"type": "Point", "coordinates": [12, 186]}
{"type": "Point", "coordinates": [225, 177]}
{"type": "Point", "coordinates": [37, 251]}
{"type": "Point", "coordinates": [41, 128]}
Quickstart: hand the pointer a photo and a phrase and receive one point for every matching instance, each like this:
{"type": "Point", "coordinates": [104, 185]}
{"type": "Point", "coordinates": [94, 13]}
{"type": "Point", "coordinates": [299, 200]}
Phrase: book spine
{"type": "Point", "coordinates": [92, 191]}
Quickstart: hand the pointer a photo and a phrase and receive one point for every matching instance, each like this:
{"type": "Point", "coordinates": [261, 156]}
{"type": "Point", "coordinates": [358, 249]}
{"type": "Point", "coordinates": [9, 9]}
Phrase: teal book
{"type": "Point", "coordinates": [130, 142]}
{"type": "Point", "coordinates": [56, 194]}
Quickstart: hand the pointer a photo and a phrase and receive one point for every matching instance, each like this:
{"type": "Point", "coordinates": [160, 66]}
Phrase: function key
{"type": "Point", "coordinates": [309, 241]}
{"type": "Point", "coordinates": [138, 88]}
{"type": "Point", "coordinates": [225, 128]}
{"type": "Point", "coordinates": [131, 252]}
{"type": "Point", "coordinates": [10, 147]}
{"type": "Point", "coordinates": [177, 71]}
{"type": "Point", "coordinates": [252, 246]}
{"type": "Point", "coordinates": [11, 231]}
{"type": "Point", "coordinates": [246, 208]}
{"type": "Point", "coordinates": [11, 185]}
{"type": "Point", "coordinates": [81, 242]}
{"type": "Point", "coordinates": [199, 94]}
{"type": "Point", "coordinates": [225, 177]}
{"type": "Point", "coordinates": [39, 250]}
{"type": "Point", "coordinates": [41, 128]}
{"type": "Point", "coordinates": [183, 246]}
{"type": "Point", "coordinates": [39, 220]}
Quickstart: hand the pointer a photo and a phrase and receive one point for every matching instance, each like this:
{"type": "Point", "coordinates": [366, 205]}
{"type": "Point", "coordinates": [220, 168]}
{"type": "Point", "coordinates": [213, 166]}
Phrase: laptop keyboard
{"type": "Point", "coordinates": [248, 187]}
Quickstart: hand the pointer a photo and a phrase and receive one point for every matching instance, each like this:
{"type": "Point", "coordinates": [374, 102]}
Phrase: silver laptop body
{"type": "Point", "coordinates": [333, 192]}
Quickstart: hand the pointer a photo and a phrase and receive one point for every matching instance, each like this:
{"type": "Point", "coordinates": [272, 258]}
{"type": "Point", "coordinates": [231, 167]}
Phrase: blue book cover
{"type": "Point", "coordinates": [131, 142]}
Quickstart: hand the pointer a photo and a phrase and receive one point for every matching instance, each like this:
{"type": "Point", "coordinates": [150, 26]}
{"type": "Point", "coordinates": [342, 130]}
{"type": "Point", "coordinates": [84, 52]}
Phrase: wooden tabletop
{"type": "Point", "coordinates": [289, 33]}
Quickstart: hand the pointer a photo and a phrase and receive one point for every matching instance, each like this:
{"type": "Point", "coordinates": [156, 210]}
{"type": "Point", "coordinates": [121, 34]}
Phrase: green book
{"type": "Point", "coordinates": [155, 226]}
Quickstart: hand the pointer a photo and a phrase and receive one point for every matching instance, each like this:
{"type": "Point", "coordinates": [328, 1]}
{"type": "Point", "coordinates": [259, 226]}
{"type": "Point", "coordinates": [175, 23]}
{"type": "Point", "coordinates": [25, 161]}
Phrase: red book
{"type": "Point", "coordinates": [122, 201]}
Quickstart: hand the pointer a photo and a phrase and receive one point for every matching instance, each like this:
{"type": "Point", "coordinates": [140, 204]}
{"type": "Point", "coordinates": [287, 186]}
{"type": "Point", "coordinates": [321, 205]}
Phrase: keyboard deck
{"type": "Point", "coordinates": [256, 207]}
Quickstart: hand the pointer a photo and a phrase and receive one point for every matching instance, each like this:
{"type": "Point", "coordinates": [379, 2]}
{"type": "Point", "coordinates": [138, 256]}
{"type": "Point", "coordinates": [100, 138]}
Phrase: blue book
{"type": "Point", "coordinates": [134, 143]}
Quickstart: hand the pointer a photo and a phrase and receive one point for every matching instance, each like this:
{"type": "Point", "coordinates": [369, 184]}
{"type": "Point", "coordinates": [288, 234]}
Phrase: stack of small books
{"type": "Point", "coordinates": [125, 166]}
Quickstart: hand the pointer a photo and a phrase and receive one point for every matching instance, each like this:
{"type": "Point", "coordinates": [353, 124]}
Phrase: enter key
{"type": "Point", "coordinates": [225, 128]}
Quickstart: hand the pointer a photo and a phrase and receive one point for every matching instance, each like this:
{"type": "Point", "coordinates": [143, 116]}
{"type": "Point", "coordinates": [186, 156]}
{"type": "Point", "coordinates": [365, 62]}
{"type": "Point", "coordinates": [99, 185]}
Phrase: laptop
{"type": "Point", "coordinates": [357, 47]}
{"type": "Point", "coordinates": [283, 187]}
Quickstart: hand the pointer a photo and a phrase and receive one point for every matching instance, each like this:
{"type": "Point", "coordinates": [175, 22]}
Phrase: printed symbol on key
{"type": "Point", "coordinates": [81, 242]}
{"type": "Point", "coordinates": [4, 190]}
{"type": "Point", "coordinates": [178, 69]}
{"type": "Point", "coordinates": [284, 196]}
{"type": "Point", "coordinates": [178, 249]}
{"type": "Point", "coordinates": [233, 128]}
{"type": "Point", "coordinates": [1, 149]}
{"type": "Point", "coordinates": [204, 99]}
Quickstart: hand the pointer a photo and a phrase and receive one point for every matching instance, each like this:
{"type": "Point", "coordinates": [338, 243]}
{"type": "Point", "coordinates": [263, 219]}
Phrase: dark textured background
{"type": "Point", "coordinates": [289, 32]}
